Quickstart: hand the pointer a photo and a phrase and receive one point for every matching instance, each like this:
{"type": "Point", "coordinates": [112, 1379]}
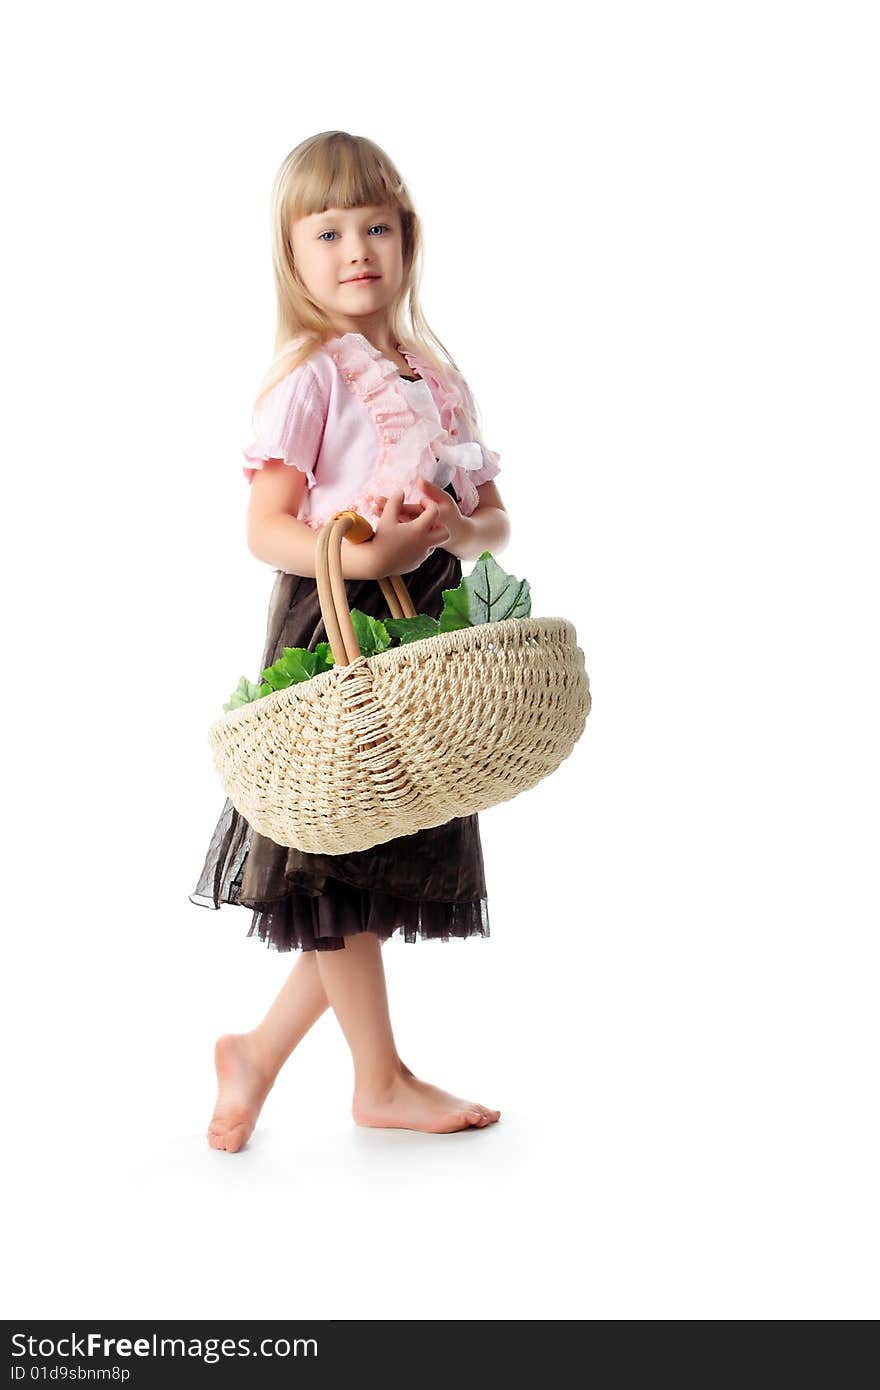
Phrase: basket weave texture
{"type": "Point", "coordinates": [408, 738]}
{"type": "Point", "coordinates": [382, 746]}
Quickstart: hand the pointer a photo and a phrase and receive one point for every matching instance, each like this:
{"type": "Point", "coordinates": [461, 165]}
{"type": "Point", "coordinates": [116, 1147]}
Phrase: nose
{"type": "Point", "coordinates": [360, 245]}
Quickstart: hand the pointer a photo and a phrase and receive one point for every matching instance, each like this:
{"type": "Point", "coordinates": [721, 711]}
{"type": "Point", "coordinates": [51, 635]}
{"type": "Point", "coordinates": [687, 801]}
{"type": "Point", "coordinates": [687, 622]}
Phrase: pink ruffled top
{"type": "Point", "coordinates": [359, 431]}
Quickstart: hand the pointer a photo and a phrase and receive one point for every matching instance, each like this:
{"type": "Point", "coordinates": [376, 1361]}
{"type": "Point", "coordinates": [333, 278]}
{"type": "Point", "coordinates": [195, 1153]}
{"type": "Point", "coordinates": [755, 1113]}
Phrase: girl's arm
{"type": "Point", "coordinates": [276, 536]}
{"type": "Point", "coordinates": [487, 527]}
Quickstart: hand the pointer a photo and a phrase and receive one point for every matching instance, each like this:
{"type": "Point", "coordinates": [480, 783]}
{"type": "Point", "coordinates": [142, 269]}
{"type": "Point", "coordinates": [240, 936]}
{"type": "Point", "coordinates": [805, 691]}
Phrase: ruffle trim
{"type": "Point", "coordinates": [409, 444]}
{"type": "Point", "coordinates": [449, 399]}
{"type": "Point", "coordinates": [290, 423]}
{"type": "Point", "coordinates": [325, 922]}
{"type": "Point", "coordinates": [256, 457]}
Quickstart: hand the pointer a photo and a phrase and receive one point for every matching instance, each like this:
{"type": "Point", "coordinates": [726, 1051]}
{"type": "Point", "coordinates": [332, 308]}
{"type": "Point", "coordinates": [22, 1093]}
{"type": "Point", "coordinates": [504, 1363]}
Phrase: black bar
{"type": "Point", "coordinates": [142, 1352]}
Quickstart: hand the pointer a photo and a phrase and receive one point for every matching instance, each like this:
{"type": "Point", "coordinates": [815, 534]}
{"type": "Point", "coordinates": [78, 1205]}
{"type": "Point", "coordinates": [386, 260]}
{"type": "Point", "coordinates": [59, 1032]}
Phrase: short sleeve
{"type": "Point", "coordinates": [289, 423]}
{"type": "Point", "coordinates": [464, 434]}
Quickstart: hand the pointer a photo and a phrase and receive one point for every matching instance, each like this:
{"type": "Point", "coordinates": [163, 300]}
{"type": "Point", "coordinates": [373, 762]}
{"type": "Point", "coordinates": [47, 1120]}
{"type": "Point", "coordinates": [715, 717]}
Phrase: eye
{"type": "Point", "coordinates": [330, 232]}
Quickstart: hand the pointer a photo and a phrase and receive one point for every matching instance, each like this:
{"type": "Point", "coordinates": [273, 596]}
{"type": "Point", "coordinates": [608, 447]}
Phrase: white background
{"type": "Point", "coordinates": [651, 245]}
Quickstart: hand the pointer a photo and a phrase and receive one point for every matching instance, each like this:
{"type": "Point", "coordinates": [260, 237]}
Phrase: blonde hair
{"type": "Point", "coordinates": [337, 170]}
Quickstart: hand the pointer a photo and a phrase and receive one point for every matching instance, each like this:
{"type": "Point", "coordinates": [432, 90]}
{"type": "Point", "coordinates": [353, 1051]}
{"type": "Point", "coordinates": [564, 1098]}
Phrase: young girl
{"type": "Point", "coordinates": [357, 412]}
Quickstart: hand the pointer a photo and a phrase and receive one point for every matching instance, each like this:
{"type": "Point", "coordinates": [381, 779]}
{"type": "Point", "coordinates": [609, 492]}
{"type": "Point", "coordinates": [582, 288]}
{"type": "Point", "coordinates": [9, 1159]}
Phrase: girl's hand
{"type": "Point", "coordinates": [448, 513]}
{"type": "Point", "coordinates": [400, 545]}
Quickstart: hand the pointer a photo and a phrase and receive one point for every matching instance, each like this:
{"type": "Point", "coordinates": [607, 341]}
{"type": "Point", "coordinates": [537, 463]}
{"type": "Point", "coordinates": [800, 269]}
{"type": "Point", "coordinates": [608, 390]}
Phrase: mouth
{"type": "Point", "coordinates": [361, 279]}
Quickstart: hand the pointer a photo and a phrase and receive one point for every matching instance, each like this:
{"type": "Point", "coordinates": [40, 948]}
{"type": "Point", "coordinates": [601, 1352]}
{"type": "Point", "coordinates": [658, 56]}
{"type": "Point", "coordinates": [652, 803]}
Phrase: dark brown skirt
{"type": "Point", "coordinates": [430, 884]}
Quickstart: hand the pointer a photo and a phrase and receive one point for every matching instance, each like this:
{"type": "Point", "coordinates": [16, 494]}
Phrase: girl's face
{"type": "Point", "coordinates": [331, 248]}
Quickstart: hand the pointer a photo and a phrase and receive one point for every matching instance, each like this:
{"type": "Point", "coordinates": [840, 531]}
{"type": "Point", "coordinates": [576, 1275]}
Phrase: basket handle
{"type": "Point", "coordinates": [331, 584]}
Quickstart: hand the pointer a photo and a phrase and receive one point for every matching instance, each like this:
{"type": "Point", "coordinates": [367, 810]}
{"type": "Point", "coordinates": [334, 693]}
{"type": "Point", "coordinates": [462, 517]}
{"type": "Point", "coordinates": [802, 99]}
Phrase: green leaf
{"type": "Point", "coordinates": [298, 664]}
{"type": "Point", "coordinates": [456, 608]}
{"type": "Point", "coordinates": [324, 651]}
{"type": "Point", "coordinates": [496, 596]}
{"type": "Point", "coordinates": [372, 634]}
{"type": "Point", "coordinates": [412, 629]}
{"type": "Point", "coordinates": [487, 595]}
{"type": "Point", "coordinates": [243, 694]}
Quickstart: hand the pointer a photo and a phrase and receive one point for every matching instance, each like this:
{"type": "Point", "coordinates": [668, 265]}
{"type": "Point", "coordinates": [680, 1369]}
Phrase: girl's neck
{"type": "Point", "coordinates": [386, 347]}
{"type": "Point", "coordinates": [376, 331]}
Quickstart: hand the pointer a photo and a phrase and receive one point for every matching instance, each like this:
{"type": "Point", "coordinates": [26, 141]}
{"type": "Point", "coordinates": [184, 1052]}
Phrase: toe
{"type": "Point", "coordinates": [236, 1138]}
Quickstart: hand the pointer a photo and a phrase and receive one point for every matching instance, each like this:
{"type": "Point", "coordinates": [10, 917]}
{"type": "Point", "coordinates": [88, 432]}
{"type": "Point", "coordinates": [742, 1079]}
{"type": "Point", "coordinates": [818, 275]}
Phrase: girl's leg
{"type": "Point", "coordinates": [248, 1063]}
{"type": "Point", "coordinates": [385, 1095]}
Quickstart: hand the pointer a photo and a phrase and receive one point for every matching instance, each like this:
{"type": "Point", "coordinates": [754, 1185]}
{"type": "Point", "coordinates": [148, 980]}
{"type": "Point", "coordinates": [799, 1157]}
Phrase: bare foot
{"type": "Point", "coordinates": [242, 1086]}
{"type": "Point", "coordinates": [413, 1104]}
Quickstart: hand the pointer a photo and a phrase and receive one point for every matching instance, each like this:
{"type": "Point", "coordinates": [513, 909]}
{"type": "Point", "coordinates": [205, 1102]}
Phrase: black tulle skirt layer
{"type": "Point", "coordinates": [427, 885]}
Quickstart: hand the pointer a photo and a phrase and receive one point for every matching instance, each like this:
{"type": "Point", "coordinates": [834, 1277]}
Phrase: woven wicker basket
{"type": "Point", "coordinates": [385, 745]}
